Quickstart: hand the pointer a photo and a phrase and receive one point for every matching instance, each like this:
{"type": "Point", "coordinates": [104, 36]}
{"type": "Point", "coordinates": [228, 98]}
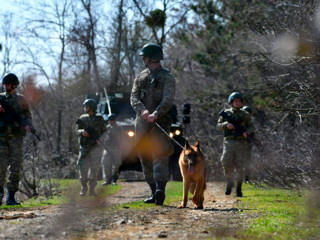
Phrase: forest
{"type": "Point", "coordinates": [268, 50]}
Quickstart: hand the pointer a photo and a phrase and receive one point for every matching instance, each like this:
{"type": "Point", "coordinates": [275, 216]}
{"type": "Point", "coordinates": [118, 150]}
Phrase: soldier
{"type": "Point", "coordinates": [247, 162]}
{"type": "Point", "coordinates": [90, 129]}
{"type": "Point", "coordinates": [111, 159]}
{"type": "Point", "coordinates": [152, 97]}
{"type": "Point", "coordinates": [11, 137]}
{"type": "Point", "coordinates": [234, 145]}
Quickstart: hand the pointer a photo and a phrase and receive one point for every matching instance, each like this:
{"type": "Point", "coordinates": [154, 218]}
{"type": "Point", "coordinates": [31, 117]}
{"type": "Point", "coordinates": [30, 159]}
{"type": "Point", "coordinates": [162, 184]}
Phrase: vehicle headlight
{"type": "Point", "coordinates": [131, 133]}
{"type": "Point", "coordinates": [171, 134]}
{"type": "Point", "coordinates": [177, 132]}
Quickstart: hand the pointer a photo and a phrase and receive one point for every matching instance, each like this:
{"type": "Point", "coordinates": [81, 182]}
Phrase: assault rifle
{"type": "Point", "coordinates": [239, 129]}
{"type": "Point", "coordinates": [10, 110]}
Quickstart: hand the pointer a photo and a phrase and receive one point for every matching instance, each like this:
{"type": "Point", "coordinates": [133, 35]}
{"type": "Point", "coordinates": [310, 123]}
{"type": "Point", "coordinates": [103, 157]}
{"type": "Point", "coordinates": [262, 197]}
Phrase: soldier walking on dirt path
{"type": "Point", "coordinates": [152, 98]}
{"type": "Point", "coordinates": [111, 159]}
{"type": "Point", "coordinates": [91, 129]}
{"type": "Point", "coordinates": [12, 132]}
{"type": "Point", "coordinates": [235, 143]}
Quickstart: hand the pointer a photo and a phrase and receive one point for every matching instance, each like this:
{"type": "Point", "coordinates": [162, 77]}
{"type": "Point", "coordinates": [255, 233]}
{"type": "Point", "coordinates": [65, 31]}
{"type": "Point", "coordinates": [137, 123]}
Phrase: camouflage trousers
{"type": "Point", "coordinates": [154, 149]}
{"type": "Point", "coordinates": [111, 162]}
{"type": "Point", "coordinates": [89, 164]}
{"type": "Point", "coordinates": [11, 155]}
{"type": "Point", "coordinates": [233, 158]}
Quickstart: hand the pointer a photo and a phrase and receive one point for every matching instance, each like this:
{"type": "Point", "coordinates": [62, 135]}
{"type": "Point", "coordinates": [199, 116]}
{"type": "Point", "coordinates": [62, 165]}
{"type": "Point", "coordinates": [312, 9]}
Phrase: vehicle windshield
{"type": "Point", "coordinates": [120, 106]}
{"type": "Point", "coordinates": [122, 109]}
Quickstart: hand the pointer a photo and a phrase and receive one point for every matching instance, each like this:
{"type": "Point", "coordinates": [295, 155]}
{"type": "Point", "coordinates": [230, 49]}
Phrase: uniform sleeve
{"type": "Point", "coordinates": [79, 127]}
{"type": "Point", "coordinates": [167, 97]}
{"type": "Point", "coordinates": [222, 124]}
{"type": "Point", "coordinates": [136, 104]}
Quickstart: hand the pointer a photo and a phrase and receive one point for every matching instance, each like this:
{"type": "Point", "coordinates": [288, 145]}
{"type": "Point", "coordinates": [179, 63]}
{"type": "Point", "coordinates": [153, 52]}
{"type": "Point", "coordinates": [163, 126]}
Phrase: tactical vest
{"type": "Point", "coordinates": [91, 124]}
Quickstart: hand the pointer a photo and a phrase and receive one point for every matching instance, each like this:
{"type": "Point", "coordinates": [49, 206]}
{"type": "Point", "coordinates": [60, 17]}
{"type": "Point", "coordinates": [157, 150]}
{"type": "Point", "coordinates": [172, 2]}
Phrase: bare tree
{"type": "Point", "coordinates": [116, 56]}
{"type": "Point", "coordinates": [84, 32]}
{"type": "Point", "coordinates": [49, 23]}
{"type": "Point", "coordinates": [8, 61]}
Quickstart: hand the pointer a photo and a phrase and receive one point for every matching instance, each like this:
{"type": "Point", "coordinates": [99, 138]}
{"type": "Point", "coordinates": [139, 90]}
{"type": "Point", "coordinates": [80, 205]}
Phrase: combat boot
{"type": "Point", "coordinates": [106, 183]}
{"type": "Point", "coordinates": [11, 200]}
{"type": "Point", "coordinates": [159, 195]}
{"type": "Point", "coordinates": [84, 189]}
{"type": "Point", "coordinates": [114, 180]}
{"type": "Point", "coordinates": [1, 194]}
{"type": "Point", "coordinates": [229, 186]}
{"type": "Point", "coordinates": [238, 190]}
{"type": "Point", "coordinates": [153, 190]}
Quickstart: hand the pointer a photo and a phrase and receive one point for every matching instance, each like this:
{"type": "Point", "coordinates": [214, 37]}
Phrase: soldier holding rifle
{"type": "Point", "coordinates": [91, 129]}
{"type": "Point", "coordinates": [237, 127]}
{"type": "Point", "coordinates": [15, 121]}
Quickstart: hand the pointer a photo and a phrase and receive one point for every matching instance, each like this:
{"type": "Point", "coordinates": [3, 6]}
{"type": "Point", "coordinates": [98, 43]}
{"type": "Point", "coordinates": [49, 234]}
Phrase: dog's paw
{"type": "Point", "coordinates": [181, 206]}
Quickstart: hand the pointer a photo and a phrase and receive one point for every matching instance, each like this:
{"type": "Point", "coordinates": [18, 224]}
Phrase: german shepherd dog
{"type": "Point", "coordinates": [194, 174]}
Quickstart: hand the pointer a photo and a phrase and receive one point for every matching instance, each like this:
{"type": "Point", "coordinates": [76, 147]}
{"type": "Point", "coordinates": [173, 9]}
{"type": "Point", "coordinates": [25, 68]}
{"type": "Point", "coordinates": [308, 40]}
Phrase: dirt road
{"type": "Point", "coordinates": [100, 219]}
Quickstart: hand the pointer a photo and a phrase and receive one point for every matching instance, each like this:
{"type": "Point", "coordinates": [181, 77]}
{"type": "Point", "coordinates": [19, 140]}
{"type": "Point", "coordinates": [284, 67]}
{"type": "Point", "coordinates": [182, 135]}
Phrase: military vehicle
{"type": "Point", "coordinates": [118, 103]}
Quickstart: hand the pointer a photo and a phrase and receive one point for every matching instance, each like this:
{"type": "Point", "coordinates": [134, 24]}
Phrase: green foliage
{"type": "Point", "coordinates": [278, 214]}
{"type": "Point", "coordinates": [157, 18]}
{"type": "Point", "coordinates": [69, 190]}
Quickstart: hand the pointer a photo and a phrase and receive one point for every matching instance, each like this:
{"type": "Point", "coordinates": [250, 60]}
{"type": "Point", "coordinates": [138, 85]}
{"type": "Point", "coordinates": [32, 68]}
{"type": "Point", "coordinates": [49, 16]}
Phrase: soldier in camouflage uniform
{"type": "Point", "coordinates": [111, 159]}
{"type": "Point", "coordinates": [234, 146]}
{"type": "Point", "coordinates": [152, 97]}
{"type": "Point", "coordinates": [11, 137]}
{"type": "Point", "coordinates": [91, 129]}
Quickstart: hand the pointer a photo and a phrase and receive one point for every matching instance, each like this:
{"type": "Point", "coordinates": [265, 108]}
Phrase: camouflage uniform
{"type": "Point", "coordinates": [234, 146]}
{"type": "Point", "coordinates": [154, 91]}
{"type": "Point", "coordinates": [111, 160]}
{"type": "Point", "coordinates": [11, 140]}
{"type": "Point", "coordinates": [90, 152]}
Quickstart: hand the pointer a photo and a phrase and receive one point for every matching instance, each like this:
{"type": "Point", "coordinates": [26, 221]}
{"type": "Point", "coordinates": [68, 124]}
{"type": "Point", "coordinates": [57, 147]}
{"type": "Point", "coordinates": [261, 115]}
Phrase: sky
{"type": "Point", "coordinates": [18, 10]}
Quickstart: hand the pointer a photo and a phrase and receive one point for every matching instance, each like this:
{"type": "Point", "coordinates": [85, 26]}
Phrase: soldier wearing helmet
{"type": "Point", "coordinates": [11, 137]}
{"type": "Point", "coordinates": [111, 159]}
{"type": "Point", "coordinates": [91, 130]}
{"type": "Point", "coordinates": [234, 145]}
{"type": "Point", "coordinates": [152, 97]}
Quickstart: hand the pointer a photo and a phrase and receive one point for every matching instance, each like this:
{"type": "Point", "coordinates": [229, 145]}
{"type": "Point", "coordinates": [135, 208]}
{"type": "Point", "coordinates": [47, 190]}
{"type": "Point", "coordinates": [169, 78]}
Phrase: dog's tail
{"type": "Point", "coordinates": [192, 187]}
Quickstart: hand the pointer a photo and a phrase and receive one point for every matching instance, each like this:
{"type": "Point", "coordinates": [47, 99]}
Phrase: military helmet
{"type": "Point", "coordinates": [10, 78]}
{"type": "Point", "coordinates": [111, 117]}
{"type": "Point", "coordinates": [247, 109]}
{"type": "Point", "coordinates": [152, 50]}
{"type": "Point", "coordinates": [235, 95]}
{"type": "Point", "coordinates": [91, 103]}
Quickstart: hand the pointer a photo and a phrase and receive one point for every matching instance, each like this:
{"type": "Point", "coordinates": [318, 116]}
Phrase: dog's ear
{"type": "Point", "coordinates": [197, 145]}
{"type": "Point", "coordinates": [187, 145]}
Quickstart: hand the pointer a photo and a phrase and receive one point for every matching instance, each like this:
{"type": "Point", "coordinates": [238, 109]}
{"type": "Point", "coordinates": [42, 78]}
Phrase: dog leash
{"type": "Point", "coordinates": [164, 131]}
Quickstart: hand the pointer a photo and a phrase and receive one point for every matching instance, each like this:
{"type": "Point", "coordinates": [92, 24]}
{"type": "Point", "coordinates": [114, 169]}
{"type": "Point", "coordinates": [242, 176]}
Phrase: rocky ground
{"type": "Point", "coordinates": [100, 219]}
